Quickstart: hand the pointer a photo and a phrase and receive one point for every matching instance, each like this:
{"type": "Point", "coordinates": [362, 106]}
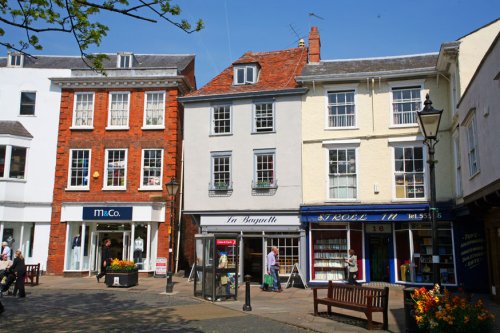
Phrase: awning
{"type": "Point", "coordinates": [371, 213]}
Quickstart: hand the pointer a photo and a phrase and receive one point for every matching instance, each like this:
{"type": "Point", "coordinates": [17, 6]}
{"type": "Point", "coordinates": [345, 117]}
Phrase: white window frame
{"type": "Point", "coordinates": [15, 60]}
{"type": "Point", "coordinates": [397, 85]}
{"type": "Point", "coordinates": [332, 89]}
{"type": "Point", "coordinates": [212, 118]}
{"type": "Point", "coordinates": [160, 124]}
{"type": "Point", "coordinates": [213, 182]}
{"type": "Point", "coordinates": [256, 184]}
{"type": "Point", "coordinates": [245, 69]}
{"type": "Point", "coordinates": [105, 178]}
{"type": "Point", "coordinates": [458, 163]}
{"type": "Point", "coordinates": [406, 143]}
{"type": "Point", "coordinates": [262, 130]}
{"type": "Point", "coordinates": [21, 104]}
{"type": "Point", "coordinates": [91, 111]}
{"type": "Point", "coordinates": [70, 169]}
{"type": "Point", "coordinates": [472, 144]}
{"type": "Point", "coordinates": [110, 111]}
{"type": "Point", "coordinates": [153, 186]}
{"type": "Point", "coordinates": [124, 60]}
{"type": "Point", "coordinates": [330, 198]}
{"type": "Point", "coordinates": [8, 160]}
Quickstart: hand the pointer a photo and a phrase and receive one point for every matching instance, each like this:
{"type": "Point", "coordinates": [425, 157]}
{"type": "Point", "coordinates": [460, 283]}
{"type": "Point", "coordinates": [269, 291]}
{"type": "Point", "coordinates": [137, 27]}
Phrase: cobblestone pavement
{"type": "Point", "coordinates": [120, 310]}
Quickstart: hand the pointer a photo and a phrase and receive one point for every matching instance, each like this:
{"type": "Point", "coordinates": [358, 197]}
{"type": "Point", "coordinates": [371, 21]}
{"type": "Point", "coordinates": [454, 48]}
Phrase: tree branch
{"type": "Point", "coordinates": [112, 9]}
{"type": "Point", "coordinates": [22, 26]}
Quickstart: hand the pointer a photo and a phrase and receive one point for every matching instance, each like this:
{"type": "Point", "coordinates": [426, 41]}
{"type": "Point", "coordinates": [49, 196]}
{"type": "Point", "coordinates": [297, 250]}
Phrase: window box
{"type": "Point", "coordinates": [264, 184]}
{"type": "Point", "coordinates": [220, 186]}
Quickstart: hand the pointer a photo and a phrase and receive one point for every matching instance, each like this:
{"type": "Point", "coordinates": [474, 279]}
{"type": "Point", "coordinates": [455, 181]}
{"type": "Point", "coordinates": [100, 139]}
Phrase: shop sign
{"type": "Point", "coordinates": [472, 250]}
{"type": "Point", "coordinates": [107, 213]}
{"type": "Point", "coordinates": [369, 217]}
{"type": "Point", "coordinates": [378, 228]}
{"type": "Point", "coordinates": [250, 220]}
{"type": "Point", "coordinates": [230, 242]}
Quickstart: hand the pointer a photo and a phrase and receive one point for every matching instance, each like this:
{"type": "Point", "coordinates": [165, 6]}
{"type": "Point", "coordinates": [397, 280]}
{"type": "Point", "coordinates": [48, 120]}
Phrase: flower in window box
{"type": "Point", "coordinates": [221, 185]}
{"type": "Point", "coordinates": [264, 183]}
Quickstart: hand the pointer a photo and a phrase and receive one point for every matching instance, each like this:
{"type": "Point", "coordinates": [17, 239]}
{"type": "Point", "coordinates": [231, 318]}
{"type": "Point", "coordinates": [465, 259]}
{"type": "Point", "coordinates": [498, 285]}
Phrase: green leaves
{"type": "Point", "coordinates": [80, 18]}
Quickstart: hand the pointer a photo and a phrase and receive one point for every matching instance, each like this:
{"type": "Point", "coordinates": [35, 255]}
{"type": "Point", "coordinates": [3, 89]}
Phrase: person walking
{"type": "Point", "coordinates": [105, 258]}
{"type": "Point", "coordinates": [19, 269]}
{"type": "Point", "coordinates": [352, 265]}
{"type": "Point", "coordinates": [272, 267]}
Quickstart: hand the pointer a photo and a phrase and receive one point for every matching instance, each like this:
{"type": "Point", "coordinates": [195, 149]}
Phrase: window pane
{"type": "Point", "coordinates": [342, 175]}
{"type": "Point", "coordinates": [2, 160]}
{"type": "Point", "coordinates": [119, 110]}
{"type": "Point", "coordinates": [84, 109]}
{"type": "Point", "coordinates": [409, 172]}
{"type": "Point", "coordinates": [79, 169]}
{"type": "Point", "coordinates": [405, 104]}
{"type": "Point", "coordinates": [17, 163]}
{"type": "Point", "coordinates": [250, 74]}
{"type": "Point", "coordinates": [265, 169]}
{"type": "Point", "coordinates": [151, 166]}
{"type": "Point", "coordinates": [116, 164]}
{"type": "Point", "coordinates": [28, 103]}
{"type": "Point", "coordinates": [221, 174]}
{"type": "Point", "coordinates": [155, 108]}
{"type": "Point", "coordinates": [221, 119]}
{"type": "Point", "coordinates": [240, 72]}
{"type": "Point", "coordinates": [341, 109]}
{"type": "Point", "coordinates": [264, 121]}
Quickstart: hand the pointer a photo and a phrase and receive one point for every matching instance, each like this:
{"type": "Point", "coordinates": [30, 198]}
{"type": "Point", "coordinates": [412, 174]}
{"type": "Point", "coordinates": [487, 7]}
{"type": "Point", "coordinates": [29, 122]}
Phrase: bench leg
{"type": "Point", "coordinates": [329, 310]}
{"type": "Point", "coordinates": [370, 321]}
{"type": "Point", "coordinates": [385, 325]}
{"type": "Point", "coordinates": [315, 308]}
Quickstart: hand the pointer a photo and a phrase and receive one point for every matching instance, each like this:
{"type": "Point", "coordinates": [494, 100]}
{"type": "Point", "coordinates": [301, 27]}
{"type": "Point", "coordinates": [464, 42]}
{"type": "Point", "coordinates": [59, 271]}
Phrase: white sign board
{"type": "Point", "coordinates": [161, 266]}
{"type": "Point", "coordinates": [241, 220]}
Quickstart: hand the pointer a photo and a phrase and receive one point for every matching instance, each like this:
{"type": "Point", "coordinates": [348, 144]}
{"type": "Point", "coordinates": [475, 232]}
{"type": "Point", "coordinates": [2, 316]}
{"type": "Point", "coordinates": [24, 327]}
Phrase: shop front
{"type": "Point", "coordinates": [132, 229]}
{"type": "Point", "coordinates": [393, 243]}
{"type": "Point", "coordinates": [258, 233]}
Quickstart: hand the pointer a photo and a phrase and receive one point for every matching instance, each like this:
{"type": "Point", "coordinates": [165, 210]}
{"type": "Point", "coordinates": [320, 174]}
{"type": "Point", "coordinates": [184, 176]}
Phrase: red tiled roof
{"type": "Point", "coordinates": [277, 72]}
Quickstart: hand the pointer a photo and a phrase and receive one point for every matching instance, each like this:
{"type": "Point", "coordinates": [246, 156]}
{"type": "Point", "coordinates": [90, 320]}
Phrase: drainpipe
{"type": "Point", "coordinates": [179, 224]}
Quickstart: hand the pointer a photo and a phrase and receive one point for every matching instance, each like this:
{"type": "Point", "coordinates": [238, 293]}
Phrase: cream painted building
{"type": "Point", "coordinates": [365, 171]}
{"type": "Point", "coordinates": [472, 65]}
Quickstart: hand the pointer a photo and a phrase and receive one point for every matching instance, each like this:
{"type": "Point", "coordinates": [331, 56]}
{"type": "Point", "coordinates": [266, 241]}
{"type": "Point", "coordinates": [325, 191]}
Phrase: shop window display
{"type": "Point", "coordinates": [288, 253]}
{"type": "Point", "coordinates": [329, 253]}
{"type": "Point", "coordinates": [77, 256]}
{"type": "Point", "coordinates": [139, 243]}
{"type": "Point", "coordinates": [418, 268]}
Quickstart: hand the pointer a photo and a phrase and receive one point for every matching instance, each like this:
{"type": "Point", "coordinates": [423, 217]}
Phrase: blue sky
{"type": "Point", "coordinates": [348, 29]}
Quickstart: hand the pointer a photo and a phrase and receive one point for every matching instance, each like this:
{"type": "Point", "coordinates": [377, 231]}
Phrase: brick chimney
{"type": "Point", "coordinates": [314, 45]}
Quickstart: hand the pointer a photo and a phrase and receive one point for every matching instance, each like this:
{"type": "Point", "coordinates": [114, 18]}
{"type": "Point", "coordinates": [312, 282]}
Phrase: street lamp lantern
{"type": "Point", "coordinates": [429, 119]}
{"type": "Point", "coordinates": [172, 188]}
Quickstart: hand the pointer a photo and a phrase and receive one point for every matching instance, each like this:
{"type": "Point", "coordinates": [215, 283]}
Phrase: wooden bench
{"type": "Point", "coordinates": [362, 299]}
{"type": "Point", "coordinates": [32, 274]}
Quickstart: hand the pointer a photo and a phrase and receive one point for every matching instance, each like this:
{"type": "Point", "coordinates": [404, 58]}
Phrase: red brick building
{"type": "Point", "coordinates": [119, 143]}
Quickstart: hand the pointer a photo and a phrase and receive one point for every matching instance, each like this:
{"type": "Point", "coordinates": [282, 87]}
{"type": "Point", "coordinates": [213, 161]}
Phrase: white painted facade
{"type": "Point", "coordinates": [26, 204]}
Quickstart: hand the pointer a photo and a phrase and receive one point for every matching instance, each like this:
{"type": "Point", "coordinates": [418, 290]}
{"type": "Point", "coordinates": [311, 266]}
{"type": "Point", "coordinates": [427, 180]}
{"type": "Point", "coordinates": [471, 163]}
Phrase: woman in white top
{"type": "Point", "coordinates": [352, 264]}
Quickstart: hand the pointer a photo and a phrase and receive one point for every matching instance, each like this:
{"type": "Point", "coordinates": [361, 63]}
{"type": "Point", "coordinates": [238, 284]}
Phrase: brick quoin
{"type": "Point", "coordinates": [98, 139]}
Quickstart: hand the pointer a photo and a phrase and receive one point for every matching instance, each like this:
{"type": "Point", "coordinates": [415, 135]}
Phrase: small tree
{"type": "Point", "coordinates": [78, 17]}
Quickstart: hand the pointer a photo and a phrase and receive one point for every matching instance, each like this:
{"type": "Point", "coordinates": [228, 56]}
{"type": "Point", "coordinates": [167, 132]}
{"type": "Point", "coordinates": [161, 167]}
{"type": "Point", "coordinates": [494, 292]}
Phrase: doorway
{"type": "Point", "coordinates": [120, 244]}
{"type": "Point", "coordinates": [252, 258]}
{"type": "Point", "coordinates": [378, 249]}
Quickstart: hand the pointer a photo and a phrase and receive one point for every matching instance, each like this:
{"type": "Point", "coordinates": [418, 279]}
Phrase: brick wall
{"type": "Point", "coordinates": [135, 139]}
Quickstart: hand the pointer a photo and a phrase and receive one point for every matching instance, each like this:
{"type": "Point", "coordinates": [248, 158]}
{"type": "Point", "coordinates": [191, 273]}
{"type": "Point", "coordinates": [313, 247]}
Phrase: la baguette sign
{"type": "Point", "coordinates": [250, 220]}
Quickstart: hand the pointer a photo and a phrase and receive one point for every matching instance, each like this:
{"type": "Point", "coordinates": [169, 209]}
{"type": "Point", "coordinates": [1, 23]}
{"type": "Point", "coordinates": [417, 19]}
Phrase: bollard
{"type": "Point", "coordinates": [247, 306]}
{"type": "Point", "coordinates": [409, 306]}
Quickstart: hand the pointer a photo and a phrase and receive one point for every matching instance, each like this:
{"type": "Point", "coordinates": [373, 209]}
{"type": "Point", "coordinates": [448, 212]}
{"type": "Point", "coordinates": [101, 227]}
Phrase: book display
{"type": "Point", "coordinates": [423, 259]}
{"type": "Point", "coordinates": [329, 256]}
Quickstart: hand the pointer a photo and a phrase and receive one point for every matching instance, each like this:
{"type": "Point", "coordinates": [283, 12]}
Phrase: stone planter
{"type": "Point", "coordinates": [122, 278]}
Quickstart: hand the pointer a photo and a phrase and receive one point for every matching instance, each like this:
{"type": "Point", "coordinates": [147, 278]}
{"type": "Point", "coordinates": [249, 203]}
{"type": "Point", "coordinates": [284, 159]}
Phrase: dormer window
{"type": "Point", "coordinates": [245, 74]}
{"type": "Point", "coordinates": [16, 60]}
{"type": "Point", "coordinates": [124, 60]}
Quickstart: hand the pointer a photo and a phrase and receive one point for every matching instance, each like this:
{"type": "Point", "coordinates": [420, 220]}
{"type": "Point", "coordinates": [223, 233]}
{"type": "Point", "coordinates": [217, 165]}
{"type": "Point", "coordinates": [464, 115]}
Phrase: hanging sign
{"type": "Point", "coordinates": [230, 242]}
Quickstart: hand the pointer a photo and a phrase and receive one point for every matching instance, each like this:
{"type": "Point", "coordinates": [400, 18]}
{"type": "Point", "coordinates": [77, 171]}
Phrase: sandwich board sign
{"type": "Point", "coordinates": [296, 278]}
{"type": "Point", "coordinates": [161, 267]}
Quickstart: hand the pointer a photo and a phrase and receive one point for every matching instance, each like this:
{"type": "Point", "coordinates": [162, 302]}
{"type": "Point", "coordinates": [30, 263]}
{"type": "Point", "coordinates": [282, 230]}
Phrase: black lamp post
{"type": "Point", "coordinates": [172, 187]}
{"type": "Point", "coordinates": [429, 119]}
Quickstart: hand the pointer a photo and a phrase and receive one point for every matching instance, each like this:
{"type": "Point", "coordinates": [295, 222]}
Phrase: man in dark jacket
{"type": "Point", "coordinates": [105, 258]}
